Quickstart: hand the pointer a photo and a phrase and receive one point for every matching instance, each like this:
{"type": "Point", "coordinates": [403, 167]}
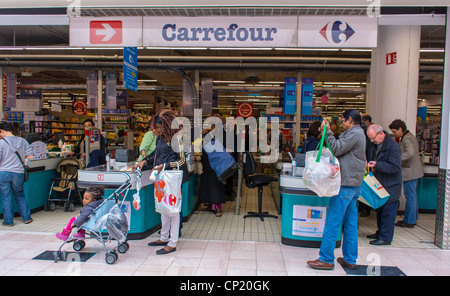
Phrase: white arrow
{"type": "Point", "coordinates": [108, 32]}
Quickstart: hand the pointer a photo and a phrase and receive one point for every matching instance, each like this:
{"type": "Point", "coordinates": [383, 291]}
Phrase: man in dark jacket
{"type": "Point", "coordinates": [384, 156]}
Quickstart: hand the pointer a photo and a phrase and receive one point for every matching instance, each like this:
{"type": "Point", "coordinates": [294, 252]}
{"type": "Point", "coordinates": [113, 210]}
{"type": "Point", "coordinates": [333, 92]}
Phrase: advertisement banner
{"type": "Point", "coordinates": [308, 221]}
{"type": "Point", "coordinates": [290, 95]}
{"type": "Point", "coordinates": [130, 68]}
{"type": "Point", "coordinates": [91, 90]}
{"type": "Point", "coordinates": [307, 96]}
{"type": "Point", "coordinates": [111, 91]}
{"type": "Point", "coordinates": [11, 89]}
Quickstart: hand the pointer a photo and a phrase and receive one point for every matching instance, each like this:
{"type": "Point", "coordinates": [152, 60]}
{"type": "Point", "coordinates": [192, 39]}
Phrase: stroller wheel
{"type": "Point", "coordinates": [69, 206]}
{"type": "Point", "coordinates": [78, 245]}
{"type": "Point", "coordinates": [123, 248]}
{"type": "Point", "coordinates": [110, 258]}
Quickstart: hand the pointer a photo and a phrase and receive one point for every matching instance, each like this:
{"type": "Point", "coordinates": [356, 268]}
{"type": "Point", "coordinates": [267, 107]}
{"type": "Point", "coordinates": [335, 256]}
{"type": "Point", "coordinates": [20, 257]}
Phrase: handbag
{"type": "Point", "coordinates": [168, 191]}
{"type": "Point", "coordinates": [373, 193]}
{"type": "Point", "coordinates": [322, 173]}
{"type": "Point", "coordinates": [222, 163]}
{"type": "Point", "coordinates": [25, 171]}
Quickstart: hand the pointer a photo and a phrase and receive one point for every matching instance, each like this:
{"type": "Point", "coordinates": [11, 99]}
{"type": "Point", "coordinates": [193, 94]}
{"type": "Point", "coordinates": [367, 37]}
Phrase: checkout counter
{"type": "Point", "coordinates": [146, 220]}
{"type": "Point", "coordinates": [37, 187]}
{"type": "Point", "coordinates": [303, 212]}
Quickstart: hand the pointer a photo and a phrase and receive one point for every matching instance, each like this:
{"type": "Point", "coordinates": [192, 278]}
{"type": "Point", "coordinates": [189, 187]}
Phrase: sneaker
{"type": "Point", "coordinates": [64, 235]}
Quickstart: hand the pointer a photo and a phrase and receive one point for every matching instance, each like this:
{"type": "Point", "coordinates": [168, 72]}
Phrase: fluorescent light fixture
{"type": "Point", "coordinates": [227, 81]}
{"type": "Point", "coordinates": [147, 80]}
{"type": "Point", "coordinates": [432, 50]}
{"type": "Point", "coordinates": [357, 49]}
{"type": "Point", "coordinates": [241, 48]}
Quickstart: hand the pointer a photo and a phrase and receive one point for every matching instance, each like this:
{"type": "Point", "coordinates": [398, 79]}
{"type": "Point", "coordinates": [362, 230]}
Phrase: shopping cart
{"type": "Point", "coordinates": [105, 224]}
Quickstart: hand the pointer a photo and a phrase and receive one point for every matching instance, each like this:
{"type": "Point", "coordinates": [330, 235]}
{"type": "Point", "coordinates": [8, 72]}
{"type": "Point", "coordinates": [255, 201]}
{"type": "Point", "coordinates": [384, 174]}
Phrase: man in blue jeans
{"type": "Point", "coordinates": [12, 174]}
{"type": "Point", "coordinates": [350, 150]}
{"type": "Point", "coordinates": [412, 170]}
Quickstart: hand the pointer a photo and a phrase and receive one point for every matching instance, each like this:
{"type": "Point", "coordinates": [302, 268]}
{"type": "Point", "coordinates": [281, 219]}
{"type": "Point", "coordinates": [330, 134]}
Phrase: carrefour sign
{"type": "Point", "coordinates": [220, 31]}
{"type": "Point", "coordinates": [273, 31]}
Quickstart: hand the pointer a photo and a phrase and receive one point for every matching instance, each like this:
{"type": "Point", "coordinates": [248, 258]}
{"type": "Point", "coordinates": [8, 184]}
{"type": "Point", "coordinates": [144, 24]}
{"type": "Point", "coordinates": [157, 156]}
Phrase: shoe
{"type": "Point", "coordinates": [156, 243]}
{"type": "Point", "coordinates": [317, 264]}
{"type": "Point", "coordinates": [7, 225]}
{"type": "Point", "coordinates": [164, 252]}
{"type": "Point", "coordinates": [63, 235]}
{"type": "Point", "coordinates": [343, 263]}
{"type": "Point", "coordinates": [380, 242]}
{"type": "Point", "coordinates": [404, 224]}
{"type": "Point", "coordinates": [219, 213]}
{"type": "Point", "coordinates": [80, 234]}
{"type": "Point", "coordinates": [28, 221]}
{"type": "Point", "coordinates": [373, 236]}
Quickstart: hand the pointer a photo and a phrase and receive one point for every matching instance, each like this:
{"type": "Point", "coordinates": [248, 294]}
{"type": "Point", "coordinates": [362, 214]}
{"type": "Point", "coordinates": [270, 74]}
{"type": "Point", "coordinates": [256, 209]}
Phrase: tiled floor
{"type": "Point", "coordinates": [229, 245]}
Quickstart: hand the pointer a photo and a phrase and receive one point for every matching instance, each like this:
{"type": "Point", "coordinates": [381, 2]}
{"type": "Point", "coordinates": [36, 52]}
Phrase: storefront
{"type": "Point", "coordinates": [236, 65]}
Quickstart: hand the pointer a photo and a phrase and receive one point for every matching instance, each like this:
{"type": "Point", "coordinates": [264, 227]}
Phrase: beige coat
{"type": "Point", "coordinates": [412, 167]}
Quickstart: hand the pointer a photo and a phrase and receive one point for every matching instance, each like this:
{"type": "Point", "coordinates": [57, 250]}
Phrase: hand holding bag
{"type": "Point", "coordinates": [322, 173]}
{"type": "Point", "coordinates": [168, 191]}
{"type": "Point", "coordinates": [373, 193]}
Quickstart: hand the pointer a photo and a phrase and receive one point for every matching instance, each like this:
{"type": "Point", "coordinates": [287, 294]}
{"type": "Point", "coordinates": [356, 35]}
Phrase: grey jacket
{"type": "Point", "coordinates": [86, 211]}
{"type": "Point", "coordinates": [8, 158]}
{"type": "Point", "coordinates": [350, 149]}
{"type": "Point", "coordinates": [412, 167]}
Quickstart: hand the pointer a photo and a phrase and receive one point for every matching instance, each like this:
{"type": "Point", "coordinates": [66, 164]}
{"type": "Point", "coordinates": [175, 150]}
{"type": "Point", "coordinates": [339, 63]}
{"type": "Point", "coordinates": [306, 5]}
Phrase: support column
{"type": "Point", "coordinates": [100, 100]}
{"type": "Point", "coordinates": [394, 83]}
{"type": "Point", "coordinates": [442, 227]}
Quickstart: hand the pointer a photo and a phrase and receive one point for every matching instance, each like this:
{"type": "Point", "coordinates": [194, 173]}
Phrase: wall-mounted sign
{"type": "Point", "coordinates": [79, 107]}
{"type": "Point", "coordinates": [337, 31]}
{"type": "Point", "coordinates": [245, 110]}
{"type": "Point", "coordinates": [391, 58]}
{"type": "Point", "coordinates": [220, 31]}
{"type": "Point", "coordinates": [225, 31]}
{"type": "Point", "coordinates": [105, 31]}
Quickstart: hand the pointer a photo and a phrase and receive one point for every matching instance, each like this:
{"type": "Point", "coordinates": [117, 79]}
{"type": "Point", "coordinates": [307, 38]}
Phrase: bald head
{"type": "Point", "coordinates": [375, 133]}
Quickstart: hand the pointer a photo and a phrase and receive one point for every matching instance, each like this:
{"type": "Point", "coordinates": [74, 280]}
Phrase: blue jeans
{"type": "Point", "coordinates": [341, 210]}
{"type": "Point", "coordinates": [412, 207]}
{"type": "Point", "coordinates": [11, 184]}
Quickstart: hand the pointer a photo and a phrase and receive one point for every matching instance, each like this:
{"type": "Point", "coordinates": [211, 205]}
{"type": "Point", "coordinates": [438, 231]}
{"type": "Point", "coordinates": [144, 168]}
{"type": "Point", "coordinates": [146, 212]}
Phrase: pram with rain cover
{"type": "Point", "coordinates": [107, 216]}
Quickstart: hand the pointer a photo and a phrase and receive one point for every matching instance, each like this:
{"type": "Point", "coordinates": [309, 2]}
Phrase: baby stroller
{"type": "Point", "coordinates": [64, 187]}
{"type": "Point", "coordinates": [107, 216]}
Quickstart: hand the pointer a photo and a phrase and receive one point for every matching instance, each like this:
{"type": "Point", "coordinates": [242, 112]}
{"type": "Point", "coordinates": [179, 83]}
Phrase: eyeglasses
{"type": "Point", "coordinates": [373, 139]}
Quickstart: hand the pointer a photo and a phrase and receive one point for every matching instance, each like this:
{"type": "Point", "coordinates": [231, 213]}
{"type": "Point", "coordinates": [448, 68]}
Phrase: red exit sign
{"type": "Point", "coordinates": [391, 58]}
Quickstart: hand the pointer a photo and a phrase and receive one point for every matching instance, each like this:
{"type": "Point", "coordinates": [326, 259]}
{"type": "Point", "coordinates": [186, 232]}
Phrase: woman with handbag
{"type": "Point", "coordinates": [13, 151]}
{"type": "Point", "coordinates": [165, 157]}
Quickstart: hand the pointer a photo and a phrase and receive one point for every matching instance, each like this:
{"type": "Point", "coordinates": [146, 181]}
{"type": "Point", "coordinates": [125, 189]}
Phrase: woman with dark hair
{"type": "Point", "coordinates": [165, 156]}
{"type": "Point", "coordinates": [312, 136]}
{"type": "Point", "coordinates": [350, 151]}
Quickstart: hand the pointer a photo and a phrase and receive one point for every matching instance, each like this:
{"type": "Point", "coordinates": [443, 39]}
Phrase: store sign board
{"type": "Point", "coordinates": [105, 31]}
{"type": "Point", "coordinates": [337, 31]}
{"type": "Point", "coordinates": [220, 31]}
{"type": "Point", "coordinates": [290, 95]}
{"type": "Point", "coordinates": [225, 31]}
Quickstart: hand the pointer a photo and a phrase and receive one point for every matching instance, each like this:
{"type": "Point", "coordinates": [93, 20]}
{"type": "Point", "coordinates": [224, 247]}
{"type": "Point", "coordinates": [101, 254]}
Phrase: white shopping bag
{"type": "Point", "coordinates": [168, 191]}
{"type": "Point", "coordinates": [322, 173]}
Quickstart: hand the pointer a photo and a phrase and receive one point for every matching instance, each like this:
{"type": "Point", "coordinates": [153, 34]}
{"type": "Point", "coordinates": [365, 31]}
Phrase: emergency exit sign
{"type": "Point", "coordinates": [391, 58]}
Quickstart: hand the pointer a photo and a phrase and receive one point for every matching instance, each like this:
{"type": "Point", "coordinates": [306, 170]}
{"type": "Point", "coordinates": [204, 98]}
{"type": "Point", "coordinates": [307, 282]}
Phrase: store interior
{"type": "Point", "coordinates": [46, 66]}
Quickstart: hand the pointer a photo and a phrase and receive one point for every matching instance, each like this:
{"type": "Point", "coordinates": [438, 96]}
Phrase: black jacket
{"type": "Point", "coordinates": [388, 168]}
{"type": "Point", "coordinates": [164, 154]}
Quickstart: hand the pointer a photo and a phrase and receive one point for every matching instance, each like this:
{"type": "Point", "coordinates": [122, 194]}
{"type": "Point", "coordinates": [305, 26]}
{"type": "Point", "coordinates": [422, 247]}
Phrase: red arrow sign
{"type": "Point", "coordinates": [105, 32]}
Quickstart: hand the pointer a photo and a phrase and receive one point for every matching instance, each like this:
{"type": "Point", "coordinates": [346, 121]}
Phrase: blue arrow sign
{"type": "Point", "coordinates": [130, 68]}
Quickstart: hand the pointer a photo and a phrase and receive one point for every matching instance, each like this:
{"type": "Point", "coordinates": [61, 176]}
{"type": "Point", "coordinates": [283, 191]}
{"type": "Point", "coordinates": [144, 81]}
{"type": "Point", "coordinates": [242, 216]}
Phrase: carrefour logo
{"type": "Point", "coordinates": [337, 32]}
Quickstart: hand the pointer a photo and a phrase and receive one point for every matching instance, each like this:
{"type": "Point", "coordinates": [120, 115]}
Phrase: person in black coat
{"type": "Point", "coordinates": [384, 156]}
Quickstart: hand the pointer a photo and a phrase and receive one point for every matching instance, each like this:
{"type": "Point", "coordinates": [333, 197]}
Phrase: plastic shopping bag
{"type": "Point", "coordinates": [373, 193]}
{"type": "Point", "coordinates": [168, 191]}
{"type": "Point", "coordinates": [322, 173]}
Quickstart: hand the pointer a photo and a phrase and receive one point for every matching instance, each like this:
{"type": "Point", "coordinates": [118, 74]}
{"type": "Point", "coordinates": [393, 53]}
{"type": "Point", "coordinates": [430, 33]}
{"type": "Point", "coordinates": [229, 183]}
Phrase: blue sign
{"type": "Point", "coordinates": [307, 96]}
{"type": "Point", "coordinates": [290, 97]}
{"type": "Point", "coordinates": [130, 70]}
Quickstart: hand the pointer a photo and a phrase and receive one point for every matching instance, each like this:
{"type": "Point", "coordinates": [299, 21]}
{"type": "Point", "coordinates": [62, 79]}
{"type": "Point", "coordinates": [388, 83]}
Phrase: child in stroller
{"type": "Point", "coordinates": [92, 198]}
